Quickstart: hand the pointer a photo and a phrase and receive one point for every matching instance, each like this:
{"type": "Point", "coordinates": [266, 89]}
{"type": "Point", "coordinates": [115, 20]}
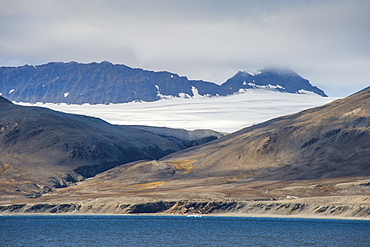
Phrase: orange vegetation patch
{"type": "Point", "coordinates": [143, 186]}
{"type": "Point", "coordinates": [185, 165]}
{"type": "Point", "coordinates": [234, 179]}
{"type": "Point", "coordinates": [146, 185]}
{"type": "Point", "coordinates": [4, 167]}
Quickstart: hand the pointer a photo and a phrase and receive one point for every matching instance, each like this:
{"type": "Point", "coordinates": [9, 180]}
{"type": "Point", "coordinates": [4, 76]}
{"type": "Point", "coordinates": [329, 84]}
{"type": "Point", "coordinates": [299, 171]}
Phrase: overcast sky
{"type": "Point", "coordinates": [325, 41]}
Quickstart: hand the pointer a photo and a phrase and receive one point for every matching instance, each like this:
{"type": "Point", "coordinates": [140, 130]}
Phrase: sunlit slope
{"type": "Point", "coordinates": [328, 141]}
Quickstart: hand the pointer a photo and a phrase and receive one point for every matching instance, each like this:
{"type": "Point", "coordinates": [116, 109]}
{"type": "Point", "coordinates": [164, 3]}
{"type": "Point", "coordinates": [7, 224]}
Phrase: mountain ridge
{"type": "Point", "coordinates": [104, 83]}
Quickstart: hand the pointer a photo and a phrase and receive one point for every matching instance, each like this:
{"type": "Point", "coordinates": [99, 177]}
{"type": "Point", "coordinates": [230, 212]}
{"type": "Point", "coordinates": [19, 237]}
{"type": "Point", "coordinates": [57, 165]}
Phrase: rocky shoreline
{"type": "Point", "coordinates": [244, 208]}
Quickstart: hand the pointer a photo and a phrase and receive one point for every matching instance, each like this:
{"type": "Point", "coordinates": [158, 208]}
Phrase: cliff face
{"type": "Point", "coordinates": [102, 83]}
{"type": "Point", "coordinates": [329, 208]}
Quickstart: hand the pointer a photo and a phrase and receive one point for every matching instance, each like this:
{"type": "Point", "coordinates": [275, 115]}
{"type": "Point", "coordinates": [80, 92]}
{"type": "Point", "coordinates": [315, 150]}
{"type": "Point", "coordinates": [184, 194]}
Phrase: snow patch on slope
{"type": "Point", "coordinates": [268, 86]}
{"type": "Point", "coordinates": [161, 96]}
{"type": "Point", "coordinates": [253, 72]}
{"type": "Point", "coordinates": [196, 93]}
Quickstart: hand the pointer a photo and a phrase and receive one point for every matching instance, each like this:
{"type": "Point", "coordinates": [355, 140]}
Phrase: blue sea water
{"type": "Point", "coordinates": [179, 231]}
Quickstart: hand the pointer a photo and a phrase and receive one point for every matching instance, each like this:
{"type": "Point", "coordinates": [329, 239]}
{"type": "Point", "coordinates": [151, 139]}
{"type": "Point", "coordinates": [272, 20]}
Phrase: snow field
{"type": "Point", "coordinates": [225, 114]}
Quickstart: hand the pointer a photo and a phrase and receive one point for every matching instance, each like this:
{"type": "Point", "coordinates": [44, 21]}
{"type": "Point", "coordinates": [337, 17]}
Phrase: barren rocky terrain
{"type": "Point", "coordinates": [319, 198]}
{"type": "Point", "coordinates": [42, 149]}
{"type": "Point", "coordinates": [311, 164]}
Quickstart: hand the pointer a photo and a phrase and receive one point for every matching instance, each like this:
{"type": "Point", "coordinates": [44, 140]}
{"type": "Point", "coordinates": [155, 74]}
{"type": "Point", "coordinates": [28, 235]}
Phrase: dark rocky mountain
{"type": "Point", "coordinates": [102, 83]}
{"type": "Point", "coordinates": [41, 148]}
{"type": "Point", "coordinates": [193, 137]}
{"type": "Point", "coordinates": [282, 80]}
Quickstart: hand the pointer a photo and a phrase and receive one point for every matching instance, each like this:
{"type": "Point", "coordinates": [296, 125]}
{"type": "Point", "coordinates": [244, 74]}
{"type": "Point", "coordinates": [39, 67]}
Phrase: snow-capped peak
{"type": "Point", "coordinates": [253, 72]}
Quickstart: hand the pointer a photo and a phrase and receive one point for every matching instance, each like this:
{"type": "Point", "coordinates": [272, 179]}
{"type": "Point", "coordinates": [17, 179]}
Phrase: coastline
{"type": "Point", "coordinates": [233, 215]}
{"type": "Point", "coordinates": [339, 208]}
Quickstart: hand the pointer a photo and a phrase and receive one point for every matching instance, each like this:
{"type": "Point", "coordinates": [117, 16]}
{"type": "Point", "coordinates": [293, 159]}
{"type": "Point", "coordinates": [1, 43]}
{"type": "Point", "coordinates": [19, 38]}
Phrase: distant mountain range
{"type": "Point", "coordinates": [103, 83]}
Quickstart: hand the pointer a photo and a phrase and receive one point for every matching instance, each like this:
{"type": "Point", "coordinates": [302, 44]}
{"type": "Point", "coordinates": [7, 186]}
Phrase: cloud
{"type": "Point", "coordinates": [324, 41]}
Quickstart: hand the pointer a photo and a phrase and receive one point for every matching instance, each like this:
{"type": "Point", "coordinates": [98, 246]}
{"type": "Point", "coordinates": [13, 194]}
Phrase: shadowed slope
{"type": "Point", "coordinates": [40, 148]}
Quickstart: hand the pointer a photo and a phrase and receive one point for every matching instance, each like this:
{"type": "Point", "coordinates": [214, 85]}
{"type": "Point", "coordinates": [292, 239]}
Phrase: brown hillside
{"type": "Point", "coordinates": [319, 152]}
{"type": "Point", "coordinates": [323, 142]}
